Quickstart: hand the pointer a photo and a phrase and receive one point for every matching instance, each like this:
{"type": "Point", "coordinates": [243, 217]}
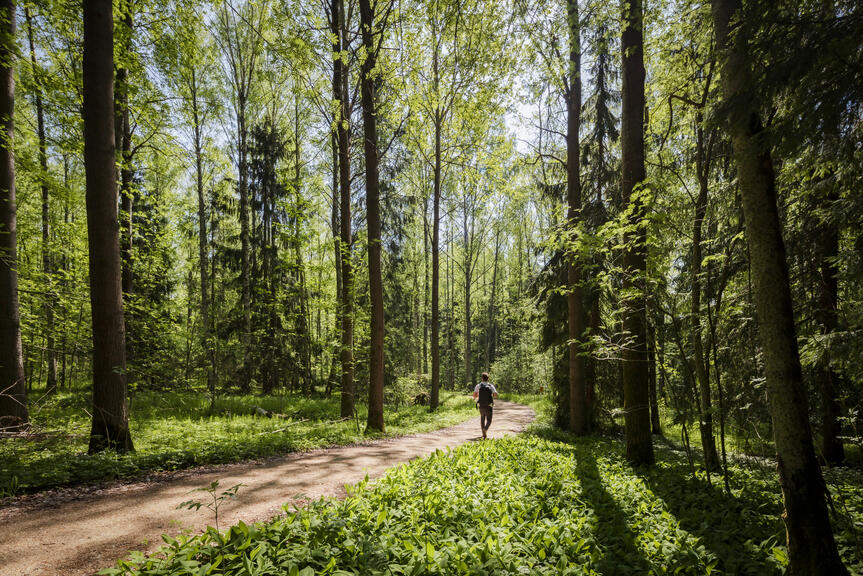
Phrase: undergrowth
{"type": "Point", "coordinates": [535, 504]}
{"type": "Point", "coordinates": [175, 430]}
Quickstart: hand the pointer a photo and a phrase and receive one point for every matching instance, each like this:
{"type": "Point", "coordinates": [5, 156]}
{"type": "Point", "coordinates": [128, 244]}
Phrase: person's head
{"type": "Point", "coordinates": [485, 376]}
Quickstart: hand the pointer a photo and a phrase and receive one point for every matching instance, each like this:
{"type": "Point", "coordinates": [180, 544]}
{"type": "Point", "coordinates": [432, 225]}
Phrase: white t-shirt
{"type": "Point", "coordinates": [493, 389]}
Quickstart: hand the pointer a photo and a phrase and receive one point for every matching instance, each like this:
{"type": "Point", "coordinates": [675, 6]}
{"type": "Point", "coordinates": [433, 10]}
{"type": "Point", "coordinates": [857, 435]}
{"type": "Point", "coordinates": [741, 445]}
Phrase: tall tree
{"type": "Point", "coordinates": [832, 449]}
{"type": "Point", "coordinates": [343, 136]}
{"type": "Point", "coordinates": [110, 428]}
{"type": "Point", "coordinates": [602, 190]}
{"type": "Point", "coordinates": [454, 73]}
{"type": "Point", "coordinates": [123, 137]}
{"type": "Point", "coordinates": [240, 39]}
{"type": "Point", "coordinates": [811, 547]}
{"type": "Point", "coordinates": [187, 58]}
{"type": "Point", "coordinates": [13, 390]}
{"type": "Point", "coordinates": [439, 114]}
{"type": "Point", "coordinates": [576, 319]}
{"type": "Point", "coordinates": [368, 80]}
{"type": "Point", "coordinates": [47, 269]}
{"type": "Point", "coordinates": [639, 443]}
{"type": "Point", "coordinates": [703, 155]}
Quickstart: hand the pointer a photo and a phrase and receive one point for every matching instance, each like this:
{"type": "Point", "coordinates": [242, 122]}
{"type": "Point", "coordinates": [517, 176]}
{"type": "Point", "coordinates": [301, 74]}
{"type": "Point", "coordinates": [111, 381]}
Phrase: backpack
{"type": "Point", "coordinates": [485, 395]}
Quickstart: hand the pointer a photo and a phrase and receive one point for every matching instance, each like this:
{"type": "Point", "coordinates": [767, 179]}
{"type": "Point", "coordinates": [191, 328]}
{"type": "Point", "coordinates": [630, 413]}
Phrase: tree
{"type": "Point", "coordinates": [47, 268]}
{"type": "Point", "coordinates": [811, 547]}
{"type": "Point", "coordinates": [601, 193]}
{"type": "Point", "coordinates": [343, 137]}
{"type": "Point", "coordinates": [639, 444]}
{"type": "Point", "coordinates": [369, 73]}
{"type": "Point", "coordinates": [239, 37]}
{"type": "Point", "coordinates": [832, 449]}
{"type": "Point", "coordinates": [13, 391]}
{"type": "Point", "coordinates": [110, 428]}
{"type": "Point", "coordinates": [703, 155]}
{"type": "Point", "coordinates": [575, 297]}
{"type": "Point", "coordinates": [123, 137]}
{"type": "Point", "coordinates": [187, 60]}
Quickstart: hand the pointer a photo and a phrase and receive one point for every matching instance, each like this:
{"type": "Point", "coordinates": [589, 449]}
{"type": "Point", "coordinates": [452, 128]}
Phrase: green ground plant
{"type": "Point", "coordinates": [540, 503]}
{"type": "Point", "coordinates": [214, 501]}
{"type": "Point", "coordinates": [175, 430]}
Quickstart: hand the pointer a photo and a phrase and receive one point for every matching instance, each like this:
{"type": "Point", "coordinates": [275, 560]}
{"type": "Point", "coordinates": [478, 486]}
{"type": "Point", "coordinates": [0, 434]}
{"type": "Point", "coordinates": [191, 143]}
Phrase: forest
{"type": "Point", "coordinates": [233, 231]}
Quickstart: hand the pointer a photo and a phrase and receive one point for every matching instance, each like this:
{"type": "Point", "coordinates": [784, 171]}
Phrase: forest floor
{"type": "Point", "coordinates": [80, 533]}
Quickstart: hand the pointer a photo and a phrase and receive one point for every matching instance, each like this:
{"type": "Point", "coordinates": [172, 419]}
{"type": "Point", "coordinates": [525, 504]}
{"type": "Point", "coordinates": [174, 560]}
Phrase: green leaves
{"type": "Point", "coordinates": [515, 506]}
{"type": "Point", "coordinates": [175, 430]}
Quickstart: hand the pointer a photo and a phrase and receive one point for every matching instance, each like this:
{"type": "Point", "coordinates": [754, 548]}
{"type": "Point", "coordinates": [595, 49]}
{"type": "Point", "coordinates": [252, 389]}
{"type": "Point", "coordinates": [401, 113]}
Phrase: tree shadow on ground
{"type": "Point", "coordinates": [739, 529]}
{"type": "Point", "coordinates": [621, 554]}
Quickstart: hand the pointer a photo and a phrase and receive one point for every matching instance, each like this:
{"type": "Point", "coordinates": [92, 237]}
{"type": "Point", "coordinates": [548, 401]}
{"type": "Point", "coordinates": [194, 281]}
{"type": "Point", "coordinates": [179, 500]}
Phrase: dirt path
{"type": "Point", "coordinates": [83, 536]}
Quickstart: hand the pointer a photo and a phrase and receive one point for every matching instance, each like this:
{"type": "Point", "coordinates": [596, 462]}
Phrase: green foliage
{"type": "Point", "coordinates": [536, 504]}
{"type": "Point", "coordinates": [523, 368]}
{"type": "Point", "coordinates": [175, 430]}
{"type": "Point", "coordinates": [216, 499]}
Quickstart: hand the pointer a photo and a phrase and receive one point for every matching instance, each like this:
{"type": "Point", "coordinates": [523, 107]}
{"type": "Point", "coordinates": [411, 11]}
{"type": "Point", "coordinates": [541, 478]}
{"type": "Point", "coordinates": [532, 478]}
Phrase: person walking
{"type": "Point", "coordinates": [484, 394]}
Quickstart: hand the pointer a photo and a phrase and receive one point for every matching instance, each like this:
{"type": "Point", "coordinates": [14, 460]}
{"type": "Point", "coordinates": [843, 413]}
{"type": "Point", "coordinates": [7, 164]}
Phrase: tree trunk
{"type": "Point", "coordinates": [489, 349]}
{"type": "Point", "coordinates": [64, 266]}
{"type": "Point", "coordinates": [451, 309]}
{"type": "Point", "coordinates": [376, 292]}
{"type": "Point", "coordinates": [305, 325]}
{"type": "Point", "coordinates": [702, 374]}
{"type": "Point", "coordinates": [110, 414]}
{"type": "Point", "coordinates": [337, 252]}
{"type": "Point", "coordinates": [13, 390]}
{"type": "Point", "coordinates": [811, 547]}
{"type": "Point", "coordinates": [340, 85]}
{"type": "Point", "coordinates": [575, 297]}
{"type": "Point", "coordinates": [425, 315]}
{"type": "Point", "coordinates": [592, 362]}
{"type": "Point", "coordinates": [334, 216]}
{"type": "Point", "coordinates": [468, 278]}
{"type": "Point", "coordinates": [639, 443]}
{"type": "Point", "coordinates": [124, 136]}
{"type": "Point", "coordinates": [203, 258]}
{"type": "Point", "coordinates": [828, 304]}
{"type": "Point", "coordinates": [245, 267]}
{"type": "Point", "coordinates": [47, 269]}
{"type": "Point", "coordinates": [655, 424]}
{"type": "Point", "coordinates": [435, 288]}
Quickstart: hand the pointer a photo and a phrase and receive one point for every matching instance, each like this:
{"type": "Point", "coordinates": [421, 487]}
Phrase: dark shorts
{"type": "Point", "coordinates": [485, 414]}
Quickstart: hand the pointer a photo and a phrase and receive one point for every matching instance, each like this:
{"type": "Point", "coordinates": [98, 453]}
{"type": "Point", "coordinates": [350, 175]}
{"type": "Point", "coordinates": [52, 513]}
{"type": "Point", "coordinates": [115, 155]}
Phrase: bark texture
{"type": "Point", "coordinates": [341, 94]}
{"type": "Point", "coordinates": [370, 130]}
{"type": "Point", "coordinates": [435, 289]}
{"type": "Point", "coordinates": [639, 443]}
{"type": "Point", "coordinates": [110, 427]}
{"type": "Point", "coordinates": [811, 548]}
{"type": "Point", "coordinates": [203, 255]}
{"type": "Point", "coordinates": [13, 390]}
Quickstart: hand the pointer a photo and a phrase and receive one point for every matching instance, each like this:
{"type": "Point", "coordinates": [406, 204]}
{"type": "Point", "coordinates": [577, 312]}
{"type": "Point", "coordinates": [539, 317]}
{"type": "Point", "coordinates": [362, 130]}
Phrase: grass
{"type": "Point", "coordinates": [541, 503]}
{"type": "Point", "coordinates": [174, 430]}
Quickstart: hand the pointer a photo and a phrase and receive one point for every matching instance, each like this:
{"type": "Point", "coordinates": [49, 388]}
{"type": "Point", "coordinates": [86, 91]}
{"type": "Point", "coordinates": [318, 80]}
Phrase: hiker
{"type": "Point", "coordinates": [484, 395]}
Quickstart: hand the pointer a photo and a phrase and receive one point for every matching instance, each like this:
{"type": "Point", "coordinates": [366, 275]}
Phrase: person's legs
{"type": "Point", "coordinates": [485, 418]}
